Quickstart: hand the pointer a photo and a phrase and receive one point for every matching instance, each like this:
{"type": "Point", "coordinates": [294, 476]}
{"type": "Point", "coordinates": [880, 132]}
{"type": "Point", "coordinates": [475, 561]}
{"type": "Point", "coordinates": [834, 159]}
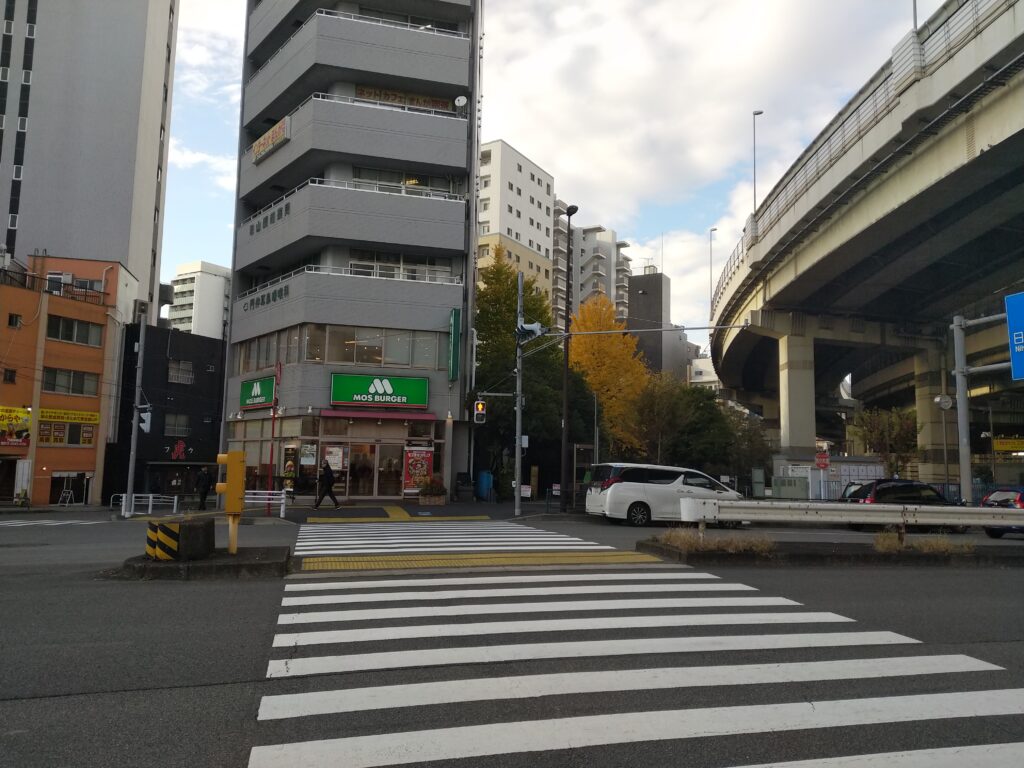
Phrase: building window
{"type": "Point", "coordinates": [176, 425]}
{"type": "Point", "coordinates": [519, 191]}
{"type": "Point", "coordinates": [509, 209]}
{"type": "Point", "coordinates": [26, 77]}
{"type": "Point", "coordinates": [485, 204]}
{"type": "Point", "coordinates": [12, 221]}
{"type": "Point", "coordinates": [30, 31]}
{"type": "Point", "coordinates": [485, 228]}
{"type": "Point", "coordinates": [19, 172]}
{"type": "Point", "coordinates": [5, 74]}
{"type": "Point", "coordinates": [13, 320]}
{"type": "Point", "coordinates": [510, 186]}
{"type": "Point", "coordinates": [180, 372]}
{"type": "Point", "coordinates": [519, 167]}
{"type": "Point", "coordinates": [8, 27]}
{"type": "Point", "coordinates": [75, 331]}
{"type": "Point", "coordinates": [532, 177]}
{"type": "Point", "coordinates": [10, 375]}
{"type": "Point", "coordinates": [67, 382]}
{"type": "Point", "coordinates": [508, 230]}
{"type": "Point", "coordinates": [485, 182]}
{"type": "Point", "coordinates": [485, 157]}
{"type": "Point", "coordinates": [22, 124]}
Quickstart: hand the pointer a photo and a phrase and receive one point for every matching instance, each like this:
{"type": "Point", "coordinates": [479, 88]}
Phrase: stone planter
{"type": "Point", "coordinates": [432, 501]}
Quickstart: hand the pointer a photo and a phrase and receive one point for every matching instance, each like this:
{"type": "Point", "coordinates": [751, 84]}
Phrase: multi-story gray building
{"type": "Point", "coordinates": [85, 100]}
{"type": "Point", "coordinates": [601, 266]}
{"type": "Point", "coordinates": [353, 277]}
{"type": "Point", "coordinates": [650, 312]}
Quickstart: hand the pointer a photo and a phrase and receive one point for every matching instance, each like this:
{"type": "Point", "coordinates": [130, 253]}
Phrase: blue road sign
{"type": "Point", "coordinates": [1015, 328]}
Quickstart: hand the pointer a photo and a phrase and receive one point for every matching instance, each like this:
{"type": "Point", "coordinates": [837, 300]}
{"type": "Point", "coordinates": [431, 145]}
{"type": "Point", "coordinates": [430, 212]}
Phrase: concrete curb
{"type": "Point", "coordinates": [790, 553]}
{"type": "Point", "coordinates": [249, 563]}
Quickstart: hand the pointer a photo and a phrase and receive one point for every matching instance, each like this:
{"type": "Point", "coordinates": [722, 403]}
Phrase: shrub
{"type": "Point", "coordinates": [434, 486]}
{"type": "Point", "coordinates": [689, 540]}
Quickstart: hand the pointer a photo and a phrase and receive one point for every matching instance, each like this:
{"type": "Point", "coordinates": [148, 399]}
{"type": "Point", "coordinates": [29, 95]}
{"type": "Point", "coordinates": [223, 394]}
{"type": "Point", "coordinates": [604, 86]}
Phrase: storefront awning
{"type": "Point", "coordinates": [353, 413]}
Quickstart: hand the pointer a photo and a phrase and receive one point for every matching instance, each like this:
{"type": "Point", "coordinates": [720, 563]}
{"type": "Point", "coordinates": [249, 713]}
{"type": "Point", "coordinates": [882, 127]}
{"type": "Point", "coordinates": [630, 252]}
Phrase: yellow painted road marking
{"type": "Point", "coordinates": [467, 560]}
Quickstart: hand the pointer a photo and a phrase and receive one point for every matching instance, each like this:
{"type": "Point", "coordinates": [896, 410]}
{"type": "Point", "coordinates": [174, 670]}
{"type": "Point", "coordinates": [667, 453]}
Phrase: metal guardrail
{"type": "Point", "coordinates": [269, 499]}
{"type": "Point", "coordinates": [902, 515]}
{"type": "Point", "coordinates": [427, 276]}
{"type": "Point", "coordinates": [148, 500]}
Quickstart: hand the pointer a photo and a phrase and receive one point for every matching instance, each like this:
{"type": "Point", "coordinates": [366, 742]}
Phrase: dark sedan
{"type": "Point", "coordinates": [1010, 497]}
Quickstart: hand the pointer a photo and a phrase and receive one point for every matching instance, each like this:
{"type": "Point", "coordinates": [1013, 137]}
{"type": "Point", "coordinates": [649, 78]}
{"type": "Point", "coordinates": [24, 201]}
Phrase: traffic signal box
{"type": "Point", "coordinates": [233, 489]}
{"type": "Point", "coordinates": [479, 412]}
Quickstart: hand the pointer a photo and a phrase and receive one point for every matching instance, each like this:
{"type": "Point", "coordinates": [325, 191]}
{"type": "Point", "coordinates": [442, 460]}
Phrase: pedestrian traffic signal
{"type": "Point", "coordinates": [479, 412]}
{"type": "Point", "coordinates": [233, 486]}
{"type": "Point", "coordinates": [145, 418]}
{"type": "Point", "coordinates": [527, 331]}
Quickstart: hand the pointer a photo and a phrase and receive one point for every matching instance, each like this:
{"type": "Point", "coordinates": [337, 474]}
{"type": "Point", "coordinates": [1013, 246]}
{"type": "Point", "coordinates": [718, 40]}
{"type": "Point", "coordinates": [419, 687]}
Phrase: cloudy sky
{"type": "Point", "coordinates": [641, 109]}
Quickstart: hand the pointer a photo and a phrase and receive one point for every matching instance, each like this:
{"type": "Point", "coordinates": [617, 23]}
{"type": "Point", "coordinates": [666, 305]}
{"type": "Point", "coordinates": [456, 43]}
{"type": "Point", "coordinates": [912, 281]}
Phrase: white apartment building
{"type": "Point", "coordinates": [202, 293]}
{"type": "Point", "coordinates": [516, 208]}
{"type": "Point", "coordinates": [601, 266]}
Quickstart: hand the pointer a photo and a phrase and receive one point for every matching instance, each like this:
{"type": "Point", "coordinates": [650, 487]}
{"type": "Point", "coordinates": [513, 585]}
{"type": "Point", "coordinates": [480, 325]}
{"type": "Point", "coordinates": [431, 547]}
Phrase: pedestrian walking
{"type": "Point", "coordinates": [326, 485]}
{"type": "Point", "coordinates": [203, 482]}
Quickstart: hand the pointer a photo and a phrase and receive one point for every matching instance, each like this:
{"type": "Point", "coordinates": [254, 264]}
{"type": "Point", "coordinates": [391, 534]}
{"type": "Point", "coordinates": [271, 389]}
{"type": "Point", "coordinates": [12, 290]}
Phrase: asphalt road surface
{"type": "Point", "coordinates": [542, 667]}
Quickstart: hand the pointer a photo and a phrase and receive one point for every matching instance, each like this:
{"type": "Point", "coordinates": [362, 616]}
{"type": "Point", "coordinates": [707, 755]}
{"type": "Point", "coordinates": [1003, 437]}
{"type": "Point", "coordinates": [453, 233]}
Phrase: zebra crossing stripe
{"type": "Point", "coordinates": [529, 686]}
{"type": "Point", "coordinates": [432, 657]}
{"type": "Point", "coordinates": [975, 756]}
{"type": "Point", "coordinates": [454, 594]}
{"type": "Point", "coordinates": [451, 548]}
{"type": "Point", "coordinates": [521, 579]}
{"type": "Point", "coordinates": [23, 523]}
{"type": "Point", "coordinates": [561, 606]}
{"type": "Point", "coordinates": [626, 728]}
{"type": "Point", "coordinates": [374, 634]}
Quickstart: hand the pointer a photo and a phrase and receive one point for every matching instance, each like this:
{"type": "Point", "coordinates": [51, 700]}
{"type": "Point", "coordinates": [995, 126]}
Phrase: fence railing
{"type": "Point", "coordinates": [40, 283]}
{"type": "Point", "coordinates": [426, 275]}
{"type": "Point", "coordinates": [963, 25]}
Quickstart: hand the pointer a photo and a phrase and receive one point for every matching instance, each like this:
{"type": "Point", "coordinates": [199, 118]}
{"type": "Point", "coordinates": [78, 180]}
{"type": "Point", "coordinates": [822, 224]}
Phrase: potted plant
{"type": "Point", "coordinates": [432, 491]}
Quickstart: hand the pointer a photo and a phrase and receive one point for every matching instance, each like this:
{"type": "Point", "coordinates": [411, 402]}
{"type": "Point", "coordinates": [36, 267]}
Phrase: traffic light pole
{"type": "Point", "coordinates": [518, 505]}
{"type": "Point", "coordinates": [129, 508]}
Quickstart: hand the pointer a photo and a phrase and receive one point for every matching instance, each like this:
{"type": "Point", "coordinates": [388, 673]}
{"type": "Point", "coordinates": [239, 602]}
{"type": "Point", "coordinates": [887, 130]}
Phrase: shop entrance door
{"type": "Point", "coordinates": [389, 470]}
{"type": "Point", "coordinates": [362, 469]}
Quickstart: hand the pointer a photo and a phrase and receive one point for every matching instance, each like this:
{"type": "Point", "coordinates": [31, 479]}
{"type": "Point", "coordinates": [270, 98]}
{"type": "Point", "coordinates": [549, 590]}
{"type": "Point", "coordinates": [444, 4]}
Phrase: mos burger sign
{"type": "Point", "coordinates": [378, 391]}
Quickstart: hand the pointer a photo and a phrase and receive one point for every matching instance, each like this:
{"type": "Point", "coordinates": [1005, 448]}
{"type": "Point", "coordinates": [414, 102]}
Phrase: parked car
{"type": "Point", "coordinates": [640, 493]}
{"type": "Point", "coordinates": [893, 491]}
{"type": "Point", "coordinates": [1010, 497]}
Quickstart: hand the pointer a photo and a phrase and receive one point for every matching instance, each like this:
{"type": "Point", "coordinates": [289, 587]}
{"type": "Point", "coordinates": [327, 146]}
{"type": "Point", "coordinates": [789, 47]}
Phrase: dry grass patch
{"type": "Point", "coordinates": [689, 540]}
{"type": "Point", "coordinates": [889, 542]}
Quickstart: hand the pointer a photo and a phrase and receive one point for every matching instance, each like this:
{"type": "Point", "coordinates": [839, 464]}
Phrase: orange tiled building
{"type": "Point", "coordinates": [60, 329]}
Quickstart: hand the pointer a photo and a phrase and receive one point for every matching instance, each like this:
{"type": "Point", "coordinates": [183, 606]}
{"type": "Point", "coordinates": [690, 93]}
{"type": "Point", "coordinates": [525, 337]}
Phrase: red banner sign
{"type": "Point", "coordinates": [419, 466]}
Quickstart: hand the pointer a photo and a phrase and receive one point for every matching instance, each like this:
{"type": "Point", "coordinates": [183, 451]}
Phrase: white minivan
{"type": "Point", "coordinates": [640, 493]}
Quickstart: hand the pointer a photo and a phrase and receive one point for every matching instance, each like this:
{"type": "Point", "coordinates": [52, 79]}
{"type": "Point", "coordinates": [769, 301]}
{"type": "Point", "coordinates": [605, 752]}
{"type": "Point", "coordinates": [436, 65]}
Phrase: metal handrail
{"type": "Point", "coordinates": [30, 281]}
{"type": "Point", "coordinates": [375, 103]}
{"type": "Point", "coordinates": [357, 17]}
{"type": "Point", "coordinates": [937, 48]}
{"type": "Point", "coordinates": [362, 186]}
{"type": "Point", "coordinates": [349, 272]}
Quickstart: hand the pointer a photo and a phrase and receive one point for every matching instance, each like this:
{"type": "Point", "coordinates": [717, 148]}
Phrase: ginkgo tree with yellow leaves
{"type": "Point", "coordinates": [613, 369]}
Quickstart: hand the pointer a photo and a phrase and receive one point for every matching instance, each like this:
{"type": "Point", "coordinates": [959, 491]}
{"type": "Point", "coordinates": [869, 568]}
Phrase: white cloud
{"type": "Point", "coordinates": [209, 51]}
{"type": "Point", "coordinates": [222, 168]}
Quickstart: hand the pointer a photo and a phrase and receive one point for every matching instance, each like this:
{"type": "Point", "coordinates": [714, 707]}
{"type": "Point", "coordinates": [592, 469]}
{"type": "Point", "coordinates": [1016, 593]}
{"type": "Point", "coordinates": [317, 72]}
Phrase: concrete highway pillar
{"type": "Point", "coordinates": [796, 395]}
{"type": "Point", "coordinates": [929, 373]}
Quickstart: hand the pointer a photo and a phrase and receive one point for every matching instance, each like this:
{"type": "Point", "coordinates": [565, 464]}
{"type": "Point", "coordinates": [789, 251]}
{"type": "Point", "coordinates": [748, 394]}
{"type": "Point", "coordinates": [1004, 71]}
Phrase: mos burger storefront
{"type": "Point", "coordinates": [376, 433]}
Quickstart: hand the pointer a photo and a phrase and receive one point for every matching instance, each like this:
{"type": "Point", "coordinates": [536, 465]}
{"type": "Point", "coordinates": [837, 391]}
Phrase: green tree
{"type": "Point", "coordinates": [892, 434]}
{"type": "Point", "coordinates": [702, 436]}
{"type": "Point", "coordinates": [496, 302]}
{"type": "Point", "coordinates": [750, 448]}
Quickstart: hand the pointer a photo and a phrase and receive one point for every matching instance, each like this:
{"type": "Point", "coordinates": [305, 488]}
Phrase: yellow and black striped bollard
{"type": "Point", "coordinates": [151, 537]}
{"type": "Point", "coordinates": [167, 541]}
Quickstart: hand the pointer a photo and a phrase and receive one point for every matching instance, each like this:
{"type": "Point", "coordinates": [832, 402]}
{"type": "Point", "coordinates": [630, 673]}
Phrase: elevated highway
{"type": "Point", "coordinates": [906, 210]}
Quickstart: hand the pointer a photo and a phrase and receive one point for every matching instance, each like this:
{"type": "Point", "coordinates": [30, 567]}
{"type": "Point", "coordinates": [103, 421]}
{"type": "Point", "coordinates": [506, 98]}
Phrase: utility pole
{"type": "Point", "coordinates": [130, 489]}
{"type": "Point", "coordinates": [518, 505]}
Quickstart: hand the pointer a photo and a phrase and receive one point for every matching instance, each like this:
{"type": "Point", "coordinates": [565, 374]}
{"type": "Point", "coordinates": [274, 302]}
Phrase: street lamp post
{"type": "Point", "coordinates": [756, 113]}
{"type": "Point", "coordinates": [711, 287]}
{"type": "Point", "coordinates": [566, 480]}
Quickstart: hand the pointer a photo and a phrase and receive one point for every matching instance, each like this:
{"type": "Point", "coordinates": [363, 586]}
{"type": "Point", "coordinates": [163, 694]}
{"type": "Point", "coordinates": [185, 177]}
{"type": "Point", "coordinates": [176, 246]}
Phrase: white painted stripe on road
{"type": "Point", "coordinates": [522, 579]}
{"type": "Point", "coordinates": [23, 523]}
{"type": "Point", "coordinates": [432, 657]}
{"type": "Point", "coordinates": [530, 686]}
{"type": "Point", "coordinates": [559, 606]}
{"type": "Point", "coordinates": [629, 728]}
{"type": "Point", "coordinates": [556, 625]}
{"type": "Point", "coordinates": [362, 538]}
{"type": "Point", "coordinates": [459, 594]}
{"type": "Point", "coordinates": [976, 756]}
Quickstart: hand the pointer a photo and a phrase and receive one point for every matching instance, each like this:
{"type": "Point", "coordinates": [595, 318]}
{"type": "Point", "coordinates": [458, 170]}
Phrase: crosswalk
{"type": "Point", "coordinates": [600, 666]}
{"type": "Point", "coordinates": [24, 523]}
{"type": "Point", "coordinates": [433, 537]}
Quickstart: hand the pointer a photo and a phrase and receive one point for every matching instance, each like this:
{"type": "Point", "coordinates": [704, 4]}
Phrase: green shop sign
{"type": "Point", "coordinates": [257, 393]}
{"type": "Point", "coordinates": [378, 391]}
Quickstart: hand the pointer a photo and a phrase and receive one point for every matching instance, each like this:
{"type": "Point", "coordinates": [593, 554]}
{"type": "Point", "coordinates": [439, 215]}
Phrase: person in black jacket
{"type": "Point", "coordinates": [326, 485]}
{"type": "Point", "coordinates": [203, 486]}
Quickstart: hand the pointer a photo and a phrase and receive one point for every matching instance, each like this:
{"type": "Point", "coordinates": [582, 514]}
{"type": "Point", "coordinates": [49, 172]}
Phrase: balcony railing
{"type": "Point", "coordinates": [39, 283]}
{"type": "Point", "coordinates": [372, 103]}
{"type": "Point", "coordinates": [327, 13]}
{"type": "Point", "coordinates": [378, 271]}
{"type": "Point", "coordinates": [362, 186]}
